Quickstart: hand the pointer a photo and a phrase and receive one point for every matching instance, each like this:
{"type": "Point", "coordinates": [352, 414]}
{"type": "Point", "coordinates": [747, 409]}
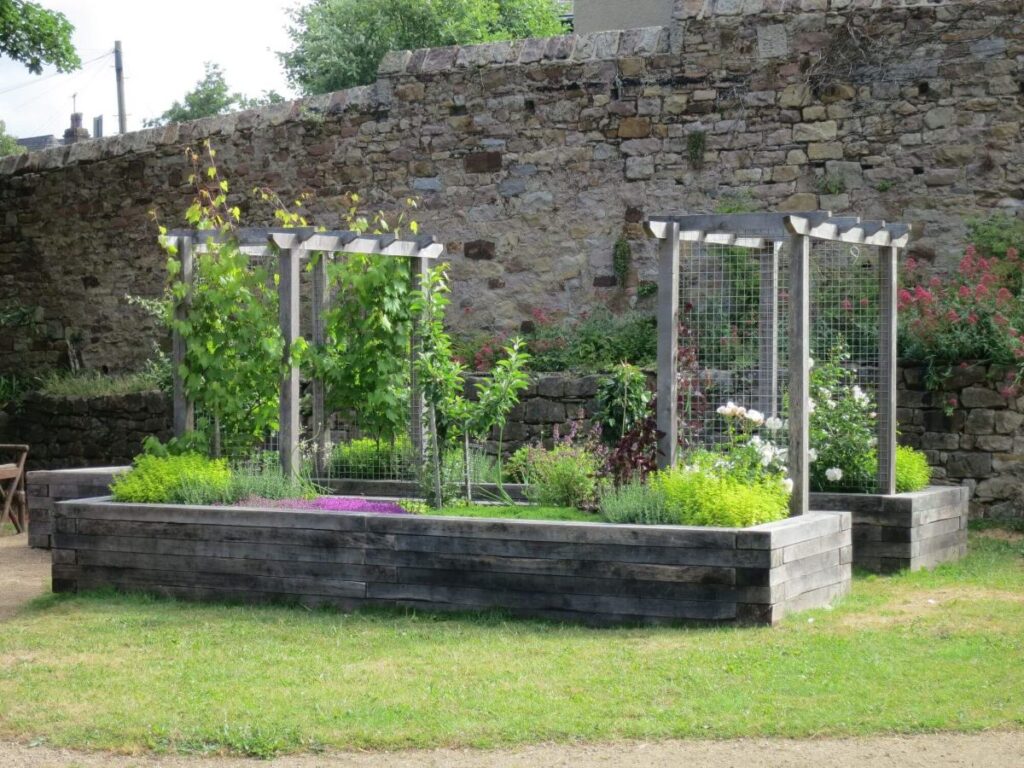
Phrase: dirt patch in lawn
{"type": "Point", "coordinates": [1001, 534]}
{"type": "Point", "coordinates": [924, 603]}
{"type": "Point", "coordinates": [24, 573]}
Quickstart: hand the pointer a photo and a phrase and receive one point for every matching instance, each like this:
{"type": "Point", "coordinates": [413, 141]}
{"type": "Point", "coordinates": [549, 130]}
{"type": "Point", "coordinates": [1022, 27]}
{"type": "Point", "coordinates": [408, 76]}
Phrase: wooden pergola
{"type": "Point", "coordinates": [291, 245]}
{"type": "Point", "coordinates": [759, 231]}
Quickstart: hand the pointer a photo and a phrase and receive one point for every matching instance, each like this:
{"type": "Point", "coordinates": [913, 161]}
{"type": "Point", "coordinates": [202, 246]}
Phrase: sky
{"type": "Point", "coordinates": [164, 46]}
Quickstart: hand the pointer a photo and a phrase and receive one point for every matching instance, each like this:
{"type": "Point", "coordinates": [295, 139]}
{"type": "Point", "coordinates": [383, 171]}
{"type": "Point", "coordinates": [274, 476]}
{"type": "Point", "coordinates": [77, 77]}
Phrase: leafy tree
{"type": "Point", "coordinates": [35, 36]}
{"type": "Point", "coordinates": [340, 43]}
{"type": "Point", "coordinates": [8, 144]}
{"type": "Point", "coordinates": [210, 97]}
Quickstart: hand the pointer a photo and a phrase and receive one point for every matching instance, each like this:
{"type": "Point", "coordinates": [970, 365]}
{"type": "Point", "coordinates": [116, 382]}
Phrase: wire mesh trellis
{"type": "Point", "coordinates": [278, 252]}
{"type": "Point", "coordinates": [733, 347]}
{"type": "Point", "coordinates": [733, 276]}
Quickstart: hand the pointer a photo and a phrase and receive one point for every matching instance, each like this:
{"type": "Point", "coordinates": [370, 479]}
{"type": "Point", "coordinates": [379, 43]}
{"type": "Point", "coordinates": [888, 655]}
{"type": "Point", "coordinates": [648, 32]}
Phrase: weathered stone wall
{"type": "Point", "coordinates": [552, 402]}
{"type": "Point", "coordinates": [533, 157]}
{"type": "Point", "coordinates": [86, 431]}
{"type": "Point", "coordinates": [972, 430]}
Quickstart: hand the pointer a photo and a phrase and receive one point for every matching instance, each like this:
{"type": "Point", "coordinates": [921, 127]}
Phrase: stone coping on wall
{"type": "Point", "coordinates": [582, 572]}
{"type": "Point", "coordinates": [700, 9]}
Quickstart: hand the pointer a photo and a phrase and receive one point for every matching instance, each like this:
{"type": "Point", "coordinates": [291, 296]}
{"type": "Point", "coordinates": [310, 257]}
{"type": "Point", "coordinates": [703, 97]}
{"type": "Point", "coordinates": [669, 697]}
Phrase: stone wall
{"type": "Point", "coordinates": [65, 432]}
{"type": "Point", "coordinates": [972, 430]}
{"type": "Point", "coordinates": [552, 401]}
{"type": "Point", "coordinates": [533, 157]}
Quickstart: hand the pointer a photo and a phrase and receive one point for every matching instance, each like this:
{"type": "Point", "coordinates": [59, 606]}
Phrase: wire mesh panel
{"type": "Point", "coordinates": [732, 329]}
{"type": "Point", "coordinates": [846, 376]}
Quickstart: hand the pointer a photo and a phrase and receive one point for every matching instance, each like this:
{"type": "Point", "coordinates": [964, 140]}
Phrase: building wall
{"type": "Point", "coordinates": [531, 158]}
{"type": "Point", "coordinates": [600, 15]}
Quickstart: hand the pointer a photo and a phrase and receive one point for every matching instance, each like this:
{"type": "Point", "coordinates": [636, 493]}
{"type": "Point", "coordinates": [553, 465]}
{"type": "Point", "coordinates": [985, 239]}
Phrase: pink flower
{"type": "Point", "coordinates": [911, 264]}
{"type": "Point", "coordinates": [964, 292]}
{"type": "Point", "coordinates": [981, 291]}
{"type": "Point", "coordinates": [864, 302]}
{"type": "Point", "coordinates": [906, 297]}
{"type": "Point", "coordinates": [1003, 296]}
{"type": "Point", "coordinates": [1012, 254]}
{"type": "Point", "coordinates": [922, 294]}
{"type": "Point", "coordinates": [847, 305]}
{"type": "Point", "coordinates": [952, 316]}
{"type": "Point", "coordinates": [972, 319]}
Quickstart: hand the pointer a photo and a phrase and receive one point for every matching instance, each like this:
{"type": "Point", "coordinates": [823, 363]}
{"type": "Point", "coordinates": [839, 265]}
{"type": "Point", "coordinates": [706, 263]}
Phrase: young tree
{"type": "Point", "coordinates": [8, 144]}
{"type": "Point", "coordinates": [35, 36]}
{"type": "Point", "coordinates": [340, 43]}
{"type": "Point", "coordinates": [210, 97]}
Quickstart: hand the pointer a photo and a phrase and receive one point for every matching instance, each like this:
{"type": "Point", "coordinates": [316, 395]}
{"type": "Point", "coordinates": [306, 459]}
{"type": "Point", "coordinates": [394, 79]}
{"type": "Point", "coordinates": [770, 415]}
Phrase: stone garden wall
{"type": "Point", "coordinates": [972, 429]}
{"type": "Point", "coordinates": [65, 432]}
{"type": "Point", "coordinates": [533, 157]}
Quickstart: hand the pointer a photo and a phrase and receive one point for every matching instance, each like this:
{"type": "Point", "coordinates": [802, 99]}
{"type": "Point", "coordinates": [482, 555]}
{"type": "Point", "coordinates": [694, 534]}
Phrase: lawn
{"type": "Point", "coordinates": [915, 652]}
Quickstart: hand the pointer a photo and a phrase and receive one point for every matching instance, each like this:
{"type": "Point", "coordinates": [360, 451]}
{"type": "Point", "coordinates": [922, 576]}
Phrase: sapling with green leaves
{"type": "Point", "coordinates": [234, 350]}
{"type": "Point", "coordinates": [442, 378]}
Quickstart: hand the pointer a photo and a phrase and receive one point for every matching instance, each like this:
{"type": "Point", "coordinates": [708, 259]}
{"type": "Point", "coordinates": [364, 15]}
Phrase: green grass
{"type": "Point", "coordinates": [95, 384]}
{"type": "Point", "coordinates": [522, 512]}
{"type": "Point", "coordinates": [912, 653]}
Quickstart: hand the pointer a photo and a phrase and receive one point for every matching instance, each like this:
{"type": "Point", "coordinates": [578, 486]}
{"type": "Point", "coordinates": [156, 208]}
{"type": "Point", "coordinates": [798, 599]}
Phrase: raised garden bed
{"type": "Point", "coordinates": [47, 487]}
{"type": "Point", "coordinates": [904, 530]}
{"type": "Point", "coordinates": [593, 573]}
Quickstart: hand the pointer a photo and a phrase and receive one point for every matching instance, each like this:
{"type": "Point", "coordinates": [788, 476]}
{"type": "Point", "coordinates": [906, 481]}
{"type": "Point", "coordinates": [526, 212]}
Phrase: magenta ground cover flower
{"type": "Point", "coordinates": [329, 504]}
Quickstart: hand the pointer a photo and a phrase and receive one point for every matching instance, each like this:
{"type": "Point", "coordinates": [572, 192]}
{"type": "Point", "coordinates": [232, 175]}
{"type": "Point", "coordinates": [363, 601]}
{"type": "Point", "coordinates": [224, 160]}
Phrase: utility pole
{"type": "Point", "coordinates": [122, 116]}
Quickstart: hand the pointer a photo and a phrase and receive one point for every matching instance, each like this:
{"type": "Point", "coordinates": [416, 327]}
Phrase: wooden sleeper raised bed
{"type": "Point", "coordinates": [587, 572]}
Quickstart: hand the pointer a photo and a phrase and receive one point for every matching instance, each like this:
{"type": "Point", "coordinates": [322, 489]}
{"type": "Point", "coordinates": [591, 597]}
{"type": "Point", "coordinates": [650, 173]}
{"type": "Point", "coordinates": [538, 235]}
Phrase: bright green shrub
{"type": "Point", "coordinates": [173, 480]}
{"type": "Point", "coordinates": [564, 476]}
{"type": "Point", "coordinates": [701, 494]}
{"type": "Point", "coordinates": [370, 459]}
{"type": "Point", "coordinates": [636, 503]}
{"type": "Point", "coordinates": [912, 470]}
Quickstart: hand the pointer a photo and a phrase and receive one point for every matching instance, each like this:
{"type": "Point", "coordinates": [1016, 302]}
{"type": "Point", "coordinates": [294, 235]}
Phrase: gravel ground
{"type": "Point", "coordinates": [1002, 750]}
{"type": "Point", "coordinates": [24, 574]}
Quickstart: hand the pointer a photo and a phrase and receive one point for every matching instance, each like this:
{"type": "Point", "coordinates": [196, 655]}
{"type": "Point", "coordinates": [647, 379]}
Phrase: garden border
{"type": "Point", "coordinates": [893, 532]}
{"type": "Point", "coordinates": [582, 572]}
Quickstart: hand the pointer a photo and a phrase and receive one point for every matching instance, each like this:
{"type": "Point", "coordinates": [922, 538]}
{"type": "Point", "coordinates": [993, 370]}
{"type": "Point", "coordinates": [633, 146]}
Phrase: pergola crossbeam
{"type": "Point", "coordinates": [850, 230]}
{"type": "Point", "coordinates": [255, 241]}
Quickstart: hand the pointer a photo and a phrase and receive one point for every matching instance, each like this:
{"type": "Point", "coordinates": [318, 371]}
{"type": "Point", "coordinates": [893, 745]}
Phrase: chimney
{"type": "Point", "coordinates": [76, 132]}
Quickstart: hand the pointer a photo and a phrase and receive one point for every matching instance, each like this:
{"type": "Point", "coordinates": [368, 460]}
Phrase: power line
{"type": "Point", "coordinates": [27, 83]}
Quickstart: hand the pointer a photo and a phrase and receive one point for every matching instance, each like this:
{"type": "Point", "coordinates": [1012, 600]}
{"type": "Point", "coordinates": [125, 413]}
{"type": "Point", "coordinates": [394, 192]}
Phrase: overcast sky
{"type": "Point", "coordinates": [165, 44]}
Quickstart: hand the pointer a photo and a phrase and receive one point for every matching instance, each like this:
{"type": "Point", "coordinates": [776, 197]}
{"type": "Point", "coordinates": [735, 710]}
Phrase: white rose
{"type": "Point", "coordinates": [812, 455]}
{"type": "Point", "coordinates": [834, 474]}
{"type": "Point", "coordinates": [773, 423]}
{"type": "Point", "coordinates": [755, 417]}
{"type": "Point", "coordinates": [787, 484]}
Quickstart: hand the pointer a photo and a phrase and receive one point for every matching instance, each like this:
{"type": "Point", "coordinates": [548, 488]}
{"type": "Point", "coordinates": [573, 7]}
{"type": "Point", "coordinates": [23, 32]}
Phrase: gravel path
{"type": "Point", "coordinates": [1005, 750]}
{"type": "Point", "coordinates": [25, 573]}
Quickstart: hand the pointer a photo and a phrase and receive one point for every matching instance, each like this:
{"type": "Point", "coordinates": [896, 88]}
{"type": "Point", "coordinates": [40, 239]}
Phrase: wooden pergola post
{"type": "Point", "coordinates": [318, 303]}
{"type": "Point", "coordinates": [288, 297]}
{"type": "Point", "coordinates": [888, 370]}
{"type": "Point", "coordinates": [417, 274]}
{"type": "Point", "coordinates": [668, 347]}
{"type": "Point", "coordinates": [184, 410]}
{"type": "Point", "coordinates": [799, 373]}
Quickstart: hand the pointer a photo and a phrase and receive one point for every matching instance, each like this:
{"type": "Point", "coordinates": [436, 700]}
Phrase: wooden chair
{"type": "Point", "coordinates": [12, 487]}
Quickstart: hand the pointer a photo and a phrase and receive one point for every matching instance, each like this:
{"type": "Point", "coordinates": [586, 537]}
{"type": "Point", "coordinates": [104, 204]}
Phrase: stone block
{"type": "Point", "coordinates": [482, 162]}
{"type": "Point", "coordinates": [634, 127]}
{"type": "Point", "coordinates": [1008, 422]}
{"type": "Point", "coordinates": [825, 130]}
{"type": "Point", "coordinates": [480, 250]}
{"type": "Point", "coordinates": [981, 397]}
{"type": "Point", "coordinates": [969, 465]}
{"type": "Point", "coordinates": [980, 421]}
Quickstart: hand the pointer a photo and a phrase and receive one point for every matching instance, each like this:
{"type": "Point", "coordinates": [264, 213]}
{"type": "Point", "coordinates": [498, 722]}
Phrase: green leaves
{"type": "Point", "coordinates": [340, 43]}
{"type": "Point", "coordinates": [36, 36]}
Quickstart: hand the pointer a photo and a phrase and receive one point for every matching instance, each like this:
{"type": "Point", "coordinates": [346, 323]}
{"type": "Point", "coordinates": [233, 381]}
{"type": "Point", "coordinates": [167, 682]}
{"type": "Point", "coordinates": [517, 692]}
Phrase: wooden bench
{"type": "Point", "coordinates": [12, 487]}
